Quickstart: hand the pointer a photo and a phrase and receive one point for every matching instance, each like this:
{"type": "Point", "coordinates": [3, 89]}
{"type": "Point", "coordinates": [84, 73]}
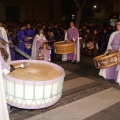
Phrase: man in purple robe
{"type": "Point", "coordinates": [30, 34]}
{"type": "Point", "coordinates": [113, 73]}
{"type": "Point", "coordinates": [21, 40]}
{"type": "Point", "coordinates": [73, 35]}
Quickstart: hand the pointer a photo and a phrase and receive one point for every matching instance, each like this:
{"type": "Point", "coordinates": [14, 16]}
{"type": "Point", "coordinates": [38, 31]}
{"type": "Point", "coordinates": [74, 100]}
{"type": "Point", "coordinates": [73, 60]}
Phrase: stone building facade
{"type": "Point", "coordinates": [43, 10]}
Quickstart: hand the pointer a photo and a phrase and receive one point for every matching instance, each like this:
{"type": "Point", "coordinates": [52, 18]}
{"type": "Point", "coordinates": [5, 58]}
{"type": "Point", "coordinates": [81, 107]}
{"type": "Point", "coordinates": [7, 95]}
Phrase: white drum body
{"type": "Point", "coordinates": [33, 94]}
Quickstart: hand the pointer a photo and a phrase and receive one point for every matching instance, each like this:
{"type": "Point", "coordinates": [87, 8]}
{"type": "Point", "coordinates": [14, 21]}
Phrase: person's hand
{"type": "Point", "coordinates": [26, 39]}
{"type": "Point", "coordinates": [46, 40]}
{"type": "Point", "coordinates": [110, 51]}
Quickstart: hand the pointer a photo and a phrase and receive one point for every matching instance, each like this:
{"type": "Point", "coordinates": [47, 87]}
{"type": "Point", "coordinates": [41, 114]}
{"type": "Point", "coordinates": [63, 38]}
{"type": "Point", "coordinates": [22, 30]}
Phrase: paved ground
{"type": "Point", "coordinates": [86, 96]}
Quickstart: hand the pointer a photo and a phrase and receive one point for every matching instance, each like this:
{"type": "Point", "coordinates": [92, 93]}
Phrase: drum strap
{"type": "Point", "coordinates": [18, 50]}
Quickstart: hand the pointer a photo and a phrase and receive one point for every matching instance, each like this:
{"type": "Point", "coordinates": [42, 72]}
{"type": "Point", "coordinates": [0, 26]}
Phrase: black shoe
{"type": "Point", "coordinates": [74, 62]}
{"type": "Point", "coordinates": [69, 61]}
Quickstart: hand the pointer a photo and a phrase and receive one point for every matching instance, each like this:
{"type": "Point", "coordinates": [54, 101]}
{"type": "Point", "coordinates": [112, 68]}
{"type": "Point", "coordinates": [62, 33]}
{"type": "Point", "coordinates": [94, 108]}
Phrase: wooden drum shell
{"type": "Point", "coordinates": [63, 47]}
{"type": "Point", "coordinates": [105, 61]}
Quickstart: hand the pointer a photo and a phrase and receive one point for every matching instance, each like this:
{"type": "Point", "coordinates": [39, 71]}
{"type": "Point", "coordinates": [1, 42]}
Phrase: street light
{"type": "Point", "coordinates": [95, 6]}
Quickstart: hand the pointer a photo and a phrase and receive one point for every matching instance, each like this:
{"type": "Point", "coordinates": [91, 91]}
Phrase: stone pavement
{"type": "Point", "coordinates": [86, 96]}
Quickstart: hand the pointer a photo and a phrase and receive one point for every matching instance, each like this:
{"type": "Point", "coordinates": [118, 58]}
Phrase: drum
{"type": "Point", "coordinates": [63, 47]}
{"type": "Point", "coordinates": [90, 45]}
{"type": "Point", "coordinates": [38, 86]}
{"type": "Point", "coordinates": [105, 61]}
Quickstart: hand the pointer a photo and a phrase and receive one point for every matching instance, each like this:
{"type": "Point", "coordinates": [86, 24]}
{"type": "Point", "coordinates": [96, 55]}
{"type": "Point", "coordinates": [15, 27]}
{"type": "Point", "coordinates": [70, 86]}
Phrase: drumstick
{"type": "Point", "coordinates": [23, 65]}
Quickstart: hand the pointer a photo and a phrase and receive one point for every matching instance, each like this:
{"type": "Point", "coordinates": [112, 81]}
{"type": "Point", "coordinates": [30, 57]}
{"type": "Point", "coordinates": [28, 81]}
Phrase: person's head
{"type": "Point", "coordinates": [118, 25]}
{"type": "Point", "coordinates": [45, 46]}
{"type": "Point", "coordinates": [39, 31]}
{"type": "Point", "coordinates": [72, 24]}
{"type": "Point", "coordinates": [1, 23]}
{"type": "Point", "coordinates": [83, 27]}
{"type": "Point", "coordinates": [95, 31]}
{"type": "Point", "coordinates": [51, 34]}
{"type": "Point", "coordinates": [28, 26]}
{"type": "Point", "coordinates": [7, 31]}
{"type": "Point", "coordinates": [43, 26]}
{"type": "Point", "coordinates": [23, 26]}
{"type": "Point", "coordinates": [105, 30]}
{"type": "Point", "coordinates": [87, 30]}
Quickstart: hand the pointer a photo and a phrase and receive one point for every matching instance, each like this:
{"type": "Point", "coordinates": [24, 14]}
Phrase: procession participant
{"type": "Point", "coordinates": [3, 35]}
{"type": "Point", "coordinates": [44, 52]}
{"type": "Point", "coordinates": [11, 40]}
{"type": "Point", "coordinates": [64, 56]}
{"type": "Point", "coordinates": [73, 35]}
{"type": "Point", "coordinates": [103, 41]}
{"type": "Point", "coordinates": [94, 39]}
{"type": "Point", "coordinates": [29, 33]}
{"type": "Point", "coordinates": [38, 41]}
{"type": "Point", "coordinates": [3, 106]}
{"type": "Point", "coordinates": [86, 39]}
{"type": "Point", "coordinates": [113, 73]}
{"type": "Point", "coordinates": [21, 40]}
{"type": "Point", "coordinates": [51, 40]}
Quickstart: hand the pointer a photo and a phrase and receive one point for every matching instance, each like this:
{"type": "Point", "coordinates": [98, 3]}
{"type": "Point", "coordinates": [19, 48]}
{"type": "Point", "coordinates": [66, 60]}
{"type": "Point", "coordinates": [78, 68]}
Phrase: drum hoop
{"type": "Point", "coordinates": [67, 43]}
{"type": "Point", "coordinates": [111, 55]}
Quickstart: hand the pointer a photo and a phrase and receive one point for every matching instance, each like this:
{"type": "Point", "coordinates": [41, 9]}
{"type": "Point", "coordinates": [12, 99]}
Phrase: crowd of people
{"type": "Point", "coordinates": [36, 39]}
{"type": "Point", "coordinates": [95, 36]}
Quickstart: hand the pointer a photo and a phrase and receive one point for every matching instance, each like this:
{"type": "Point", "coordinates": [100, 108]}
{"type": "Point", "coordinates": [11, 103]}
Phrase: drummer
{"type": "Point", "coordinates": [113, 73]}
{"type": "Point", "coordinates": [3, 109]}
{"type": "Point", "coordinates": [73, 35]}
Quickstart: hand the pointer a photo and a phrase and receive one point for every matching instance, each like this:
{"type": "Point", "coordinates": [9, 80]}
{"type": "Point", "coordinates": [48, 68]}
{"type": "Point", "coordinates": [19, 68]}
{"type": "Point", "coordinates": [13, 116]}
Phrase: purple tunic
{"type": "Point", "coordinates": [29, 33]}
{"type": "Point", "coordinates": [21, 42]}
{"type": "Point", "coordinates": [73, 34]}
{"type": "Point", "coordinates": [111, 71]}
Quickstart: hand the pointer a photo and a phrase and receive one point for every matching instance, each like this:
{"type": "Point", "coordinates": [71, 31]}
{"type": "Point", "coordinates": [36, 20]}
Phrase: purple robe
{"type": "Point", "coordinates": [111, 71]}
{"type": "Point", "coordinates": [21, 42]}
{"type": "Point", "coordinates": [73, 34]}
{"type": "Point", "coordinates": [29, 33]}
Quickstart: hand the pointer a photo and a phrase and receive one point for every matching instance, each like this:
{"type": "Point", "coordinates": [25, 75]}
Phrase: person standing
{"type": "Point", "coordinates": [73, 35]}
{"type": "Point", "coordinates": [11, 40]}
{"type": "Point", "coordinates": [3, 104]}
{"type": "Point", "coordinates": [38, 41]}
{"type": "Point", "coordinates": [94, 39]}
{"type": "Point", "coordinates": [21, 40]}
{"type": "Point", "coordinates": [113, 73]}
{"type": "Point", "coordinates": [51, 40]}
{"type": "Point", "coordinates": [29, 33]}
{"type": "Point", "coordinates": [3, 35]}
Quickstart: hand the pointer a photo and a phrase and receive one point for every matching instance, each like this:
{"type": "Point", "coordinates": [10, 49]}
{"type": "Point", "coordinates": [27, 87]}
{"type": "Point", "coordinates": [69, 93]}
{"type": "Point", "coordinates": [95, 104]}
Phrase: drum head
{"type": "Point", "coordinates": [36, 71]}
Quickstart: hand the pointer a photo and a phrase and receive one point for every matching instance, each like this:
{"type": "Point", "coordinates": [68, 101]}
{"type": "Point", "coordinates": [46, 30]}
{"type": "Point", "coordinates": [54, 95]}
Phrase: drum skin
{"type": "Point", "coordinates": [34, 94]}
{"type": "Point", "coordinates": [90, 45]}
{"type": "Point", "coordinates": [63, 47]}
{"type": "Point", "coordinates": [105, 61]}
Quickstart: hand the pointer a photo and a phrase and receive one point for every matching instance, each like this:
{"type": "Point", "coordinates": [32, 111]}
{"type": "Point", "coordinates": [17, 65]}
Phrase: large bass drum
{"type": "Point", "coordinates": [38, 86]}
